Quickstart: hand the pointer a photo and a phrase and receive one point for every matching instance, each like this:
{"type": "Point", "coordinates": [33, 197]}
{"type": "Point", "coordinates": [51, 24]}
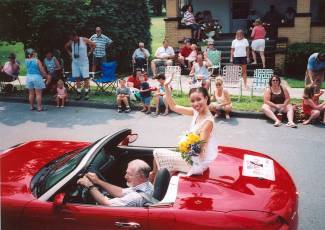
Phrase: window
{"type": "Point", "coordinates": [240, 9]}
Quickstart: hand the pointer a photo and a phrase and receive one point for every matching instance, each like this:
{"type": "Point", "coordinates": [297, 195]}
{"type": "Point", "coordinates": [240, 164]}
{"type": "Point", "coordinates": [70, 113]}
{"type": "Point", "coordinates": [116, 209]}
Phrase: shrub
{"type": "Point", "coordinates": [297, 58]}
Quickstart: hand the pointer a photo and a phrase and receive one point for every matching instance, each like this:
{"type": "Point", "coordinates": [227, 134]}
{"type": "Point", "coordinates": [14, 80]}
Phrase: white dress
{"type": "Point", "coordinates": [173, 161]}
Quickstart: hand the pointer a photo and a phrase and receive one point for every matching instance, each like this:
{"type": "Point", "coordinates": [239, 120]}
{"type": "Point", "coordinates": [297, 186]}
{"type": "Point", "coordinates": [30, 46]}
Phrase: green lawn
{"type": "Point", "coordinates": [294, 83]}
{"type": "Point", "coordinates": [157, 31]}
{"type": "Point", "coordinates": [17, 49]}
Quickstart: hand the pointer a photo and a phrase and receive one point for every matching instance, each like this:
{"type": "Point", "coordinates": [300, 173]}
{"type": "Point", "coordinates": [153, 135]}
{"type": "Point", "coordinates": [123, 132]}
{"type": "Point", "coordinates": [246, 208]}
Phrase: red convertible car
{"type": "Point", "coordinates": [39, 190]}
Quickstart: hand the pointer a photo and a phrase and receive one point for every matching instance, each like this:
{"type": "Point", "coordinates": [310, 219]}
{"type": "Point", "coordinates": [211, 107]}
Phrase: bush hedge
{"type": "Point", "coordinates": [297, 58]}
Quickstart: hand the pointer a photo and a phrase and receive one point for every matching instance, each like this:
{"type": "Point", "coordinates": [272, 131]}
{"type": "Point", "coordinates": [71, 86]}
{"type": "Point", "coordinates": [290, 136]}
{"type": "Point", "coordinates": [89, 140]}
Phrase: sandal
{"type": "Point", "coordinates": [32, 109]}
{"type": "Point", "coordinates": [277, 124]}
{"type": "Point", "coordinates": [291, 125]}
{"type": "Point", "coordinates": [41, 109]}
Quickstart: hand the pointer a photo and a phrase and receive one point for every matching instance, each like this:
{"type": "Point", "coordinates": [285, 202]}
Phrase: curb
{"type": "Point", "coordinates": [102, 105]}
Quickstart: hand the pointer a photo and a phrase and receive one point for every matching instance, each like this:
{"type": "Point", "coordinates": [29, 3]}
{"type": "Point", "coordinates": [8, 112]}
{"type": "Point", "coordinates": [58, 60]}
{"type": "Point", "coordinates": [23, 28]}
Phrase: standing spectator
{"type": "Point", "coordinates": [102, 42]}
{"type": "Point", "coordinates": [77, 49]}
{"type": "Point", "coordinates": [163, 56]}
{"type": "Point", "coordinates": [273, 18]}
{"type": "Point", "coordinates": [251, 18]}
{"type": "Point", "coordinates": [160, 94]}
{"type": "Point", "coordinates": [61, 94]}
{"type": "Point", "coordinates": [184, 51]}
{"type": "Point", "coordinates": [140, 56]}
{"type": "Point", "coordinates": [222, 98]}
{"type": "Point", "coordinates": [123, 95]}
{"type": "Point", "coordinates": [34, 80]}
{"type": "Point", "coordinates": [10, 70]}
{"type": "Point", "coordinates": [315, 70]}
{"type": "Point", "coordinates": [290, 15]}
{"type": "Point", "coordinates": [239, 53]}
{"type": "Point", "coordinates": [189, 20]}
{"type": "Point", "coordinates": [52, 66]}
{"type": "Point", "coordinates": [200, 71]}
{"type": "Point", "coordinates": [277, 99]}
{"type": "Point", "coordinates": [258, 43]}
{"type": "Point", "coordinates": [145, 93]}
{"type": "Point", "coordinates": [311, 109]}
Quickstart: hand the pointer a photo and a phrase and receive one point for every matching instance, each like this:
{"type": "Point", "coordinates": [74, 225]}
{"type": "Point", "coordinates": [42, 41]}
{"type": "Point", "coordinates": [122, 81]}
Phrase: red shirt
{"type": "Point", "coordinates": [136, 82]}
{"type": "Point", "coordinates": [258, 32]}
{"type": "Point", "coordinates": [185, 51]}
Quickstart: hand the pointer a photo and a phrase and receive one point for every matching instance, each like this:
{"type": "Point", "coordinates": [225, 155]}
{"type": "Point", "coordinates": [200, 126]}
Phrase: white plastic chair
{"type": "Point", "coordinates": [261, 79]}
{"type": "Point", "coordinates": [177, 78]}
{"type": "Point", "coordinates": [232, 78]}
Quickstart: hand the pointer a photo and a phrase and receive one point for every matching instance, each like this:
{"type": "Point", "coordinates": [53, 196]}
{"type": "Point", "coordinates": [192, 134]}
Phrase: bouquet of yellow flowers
{"type": "Point", "coordinates": [189, 146]}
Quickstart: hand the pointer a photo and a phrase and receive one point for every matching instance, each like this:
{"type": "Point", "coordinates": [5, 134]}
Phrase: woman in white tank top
{"type": "Point", "coordinates": [202, 124]}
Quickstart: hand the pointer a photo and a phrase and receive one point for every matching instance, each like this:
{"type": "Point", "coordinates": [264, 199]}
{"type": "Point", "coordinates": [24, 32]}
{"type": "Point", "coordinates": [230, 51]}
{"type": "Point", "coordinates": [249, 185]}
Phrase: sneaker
{"type": "Point", "coordinates": [78, 96]}
{"type": "Point", "coordinates": [127, 110]}
{"type": "Point", "coordinates": [86, 96]}
{"type": "Point", "coordinates": [119, 109]}
{"type": "Point", "coordinates": [148, 111]}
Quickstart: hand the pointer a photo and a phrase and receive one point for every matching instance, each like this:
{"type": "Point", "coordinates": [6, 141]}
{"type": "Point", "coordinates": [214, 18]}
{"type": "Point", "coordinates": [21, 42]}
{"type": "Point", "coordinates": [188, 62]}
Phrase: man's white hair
{"type": "Point", "coordinates": [142, 168]}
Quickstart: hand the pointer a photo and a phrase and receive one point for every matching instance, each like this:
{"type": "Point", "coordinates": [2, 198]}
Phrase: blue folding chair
{"type": "Point", "coordinates": [107, 81]}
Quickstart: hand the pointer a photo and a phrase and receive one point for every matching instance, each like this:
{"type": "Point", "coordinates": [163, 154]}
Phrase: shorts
{"type": "Point", "coordinates": [80, 70]}
{"type": "Point", "coordinates": [98, 61]}
{"type": "Point", "coordinates": [240, 60]}
{"type": "Point", "coordinates": [34, 81]}
{"type": "Point", "coordinates": [159, 62]}
{"type": "Point", "coordinates": [258, 45]}
{"type": "Point", "coordinates": [217, 106]}
{"type": "Point", "coordinates": [146, 100]}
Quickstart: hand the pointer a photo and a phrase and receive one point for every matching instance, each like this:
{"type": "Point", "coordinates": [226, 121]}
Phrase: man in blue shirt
{"type": "Point", "coordinates": [140, 56]}
{"type": "Point", "coordinates": [315, 70]}
{"type": "Point", "coordinates": [99, 54]}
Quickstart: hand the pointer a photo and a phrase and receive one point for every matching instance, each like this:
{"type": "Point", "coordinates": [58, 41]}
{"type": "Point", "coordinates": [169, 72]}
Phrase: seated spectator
{"type": "Point", "coordinates": [145, 93]}
{"type": "Point", "coordinates": [61, 94]}
{"type": "Point", "coordinates": [290, 15]}
{"type": "Point", "coordinates": [210, 46]}
{"type": "Point", "coordinates": [222, 100]}
{"type": "Point", "coordinates": [134, 80]}
{"type": "Point", "coordinates": [122, 96]}
{"type": "Point", "coordinates": [277, 99]}
{"type": "Point", "coordinates": [192, 57]}
{"type": "Point", "coordinates": [10, 70]}
{"type": "Point", "coordinates": [163, 56]}
{"type": "Point", "coordinates": [200, 72]}
{"type": "Point", "coordinates": [52, 66]}
{"type": "Point", "coordinates": [184, 52]}
{"type": "Point", "coordinates": [189, 20]}
{"type": "Point", "coordinates": [140, 56]}
{"type": "Point", "coordinates": [310, 106]}
{"type": "Point", "coordinates": [160, 95]}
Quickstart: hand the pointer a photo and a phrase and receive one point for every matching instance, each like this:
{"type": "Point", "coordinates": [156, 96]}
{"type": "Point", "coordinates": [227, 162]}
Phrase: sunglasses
{"type": "Point", "coordinates": [275, 80]}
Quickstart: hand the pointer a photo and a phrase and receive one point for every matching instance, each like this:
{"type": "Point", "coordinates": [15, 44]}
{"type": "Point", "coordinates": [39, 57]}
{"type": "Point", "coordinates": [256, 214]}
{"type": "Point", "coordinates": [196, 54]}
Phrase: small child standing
{"type": "Point", "coordinates": [122, 95]}
{"type": "Point", "coordinates": [145, 93]}
{"type": "Point", "coordinates": [61, 94]}
{"type": "Point", "coordinates": [160, 95]}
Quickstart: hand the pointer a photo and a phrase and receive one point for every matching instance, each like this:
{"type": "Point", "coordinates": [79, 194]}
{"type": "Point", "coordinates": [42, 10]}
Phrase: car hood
{"type": "Point", "coordinates": [224, 188]}
{"type": "Point", "coordinates": [19, 164]}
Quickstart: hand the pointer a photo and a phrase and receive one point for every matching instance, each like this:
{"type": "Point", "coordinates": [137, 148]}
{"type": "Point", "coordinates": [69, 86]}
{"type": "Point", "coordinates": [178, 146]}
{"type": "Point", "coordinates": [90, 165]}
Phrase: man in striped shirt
{"type": "Point", "coordinates": [99, 54]}
{"type": "Point", "coordinates": [137, 178]}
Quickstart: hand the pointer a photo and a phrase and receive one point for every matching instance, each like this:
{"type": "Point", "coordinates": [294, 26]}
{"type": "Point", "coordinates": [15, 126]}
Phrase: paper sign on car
{"type": "Point", "coordinates": [254, 166]}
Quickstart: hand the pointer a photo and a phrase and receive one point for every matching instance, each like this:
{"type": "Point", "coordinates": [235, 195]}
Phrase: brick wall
{"type": "Point", "coordinates": [299, 33]}
{"type": "Point", "coordinates": [303, 6]}
{"type": "Point", "coordinates": [173, 34]}
{"type": "Point", "coordinates": [171, 8]}
{"type": "Point", "coordinates": [317, 34]}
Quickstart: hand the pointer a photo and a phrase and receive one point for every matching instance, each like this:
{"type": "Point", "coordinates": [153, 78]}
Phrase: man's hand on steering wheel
{"type": "Point", "coordinates": [93, 178]}
{"type": "Point", "coordinates": [84, 181]}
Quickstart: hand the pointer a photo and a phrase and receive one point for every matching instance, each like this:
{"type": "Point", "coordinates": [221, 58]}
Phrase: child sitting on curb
{"type": "Point", "coordinates": [160, 95]}
{"type": "Point", "coordinates": [122, 95]}
{"type": "Point", "coordinates": [61, 94]}
{"type": "Point", "coordinates": [145, 93]}
{"type": "Point", "coordinates": [311, 109]}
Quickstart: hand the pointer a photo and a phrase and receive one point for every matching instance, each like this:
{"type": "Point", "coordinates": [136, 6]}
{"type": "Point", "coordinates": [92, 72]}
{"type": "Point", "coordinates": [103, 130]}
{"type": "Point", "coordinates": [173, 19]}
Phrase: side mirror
{"type": "Point", "coordinates": [58, 201]}
{"type": "Point", "coordinates": [129, 139]}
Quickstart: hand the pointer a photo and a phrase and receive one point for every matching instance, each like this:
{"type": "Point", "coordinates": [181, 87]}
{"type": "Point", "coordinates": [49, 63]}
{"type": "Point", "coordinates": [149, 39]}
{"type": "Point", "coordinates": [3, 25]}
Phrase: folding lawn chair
{"type": "Point", "coordinates": [107, 81]}
{"type": "Point", "coordinates": [232, 77]}
{"type": "Point", "coordinates": [4, 80]}
{"type": "Point", "coordinates": [215, 58]}
{"type": "Point", "coordinates": [70, 81]}
{"type": "Point", "coordinates": [261, 79]}
{"type": "Point", "coordinates": [177, 78]}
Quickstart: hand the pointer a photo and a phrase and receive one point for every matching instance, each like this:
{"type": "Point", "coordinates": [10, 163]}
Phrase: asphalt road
{"type": "Point", "coordinates": [301, 151]}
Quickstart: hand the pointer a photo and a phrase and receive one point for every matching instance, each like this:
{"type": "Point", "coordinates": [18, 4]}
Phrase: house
{"type": "Point", "coordinates": [308, 25]}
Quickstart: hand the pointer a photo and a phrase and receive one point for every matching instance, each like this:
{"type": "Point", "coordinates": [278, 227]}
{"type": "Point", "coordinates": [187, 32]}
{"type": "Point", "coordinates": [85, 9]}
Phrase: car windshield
{"type": "Point", "coordinates": [56, 170]}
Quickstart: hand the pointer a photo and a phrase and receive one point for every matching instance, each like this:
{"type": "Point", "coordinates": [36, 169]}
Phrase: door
{"type": "Point", "coordinates": [239, 14]}
{"type": "Point", "coordinates": [42, 215]}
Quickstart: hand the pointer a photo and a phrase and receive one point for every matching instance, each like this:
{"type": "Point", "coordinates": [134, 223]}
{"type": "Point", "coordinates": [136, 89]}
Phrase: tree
{"type": "Point", "coordinates": [44, 24]}
{"type": "Point", "coordinates": [157, 6]}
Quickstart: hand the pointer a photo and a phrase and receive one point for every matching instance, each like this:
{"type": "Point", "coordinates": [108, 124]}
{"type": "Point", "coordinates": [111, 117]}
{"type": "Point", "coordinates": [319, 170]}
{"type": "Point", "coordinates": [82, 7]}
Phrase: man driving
{"type": "Point", "coordinates": [137, 179]}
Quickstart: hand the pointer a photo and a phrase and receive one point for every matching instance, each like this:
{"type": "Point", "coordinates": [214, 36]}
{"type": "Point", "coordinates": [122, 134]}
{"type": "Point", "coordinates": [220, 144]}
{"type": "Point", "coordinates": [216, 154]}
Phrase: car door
{"type": "Point", "coordinates": [44, 215]}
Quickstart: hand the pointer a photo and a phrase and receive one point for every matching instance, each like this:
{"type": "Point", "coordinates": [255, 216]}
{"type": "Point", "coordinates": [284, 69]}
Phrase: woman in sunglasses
{"type": "Point", "coordinates": [222, 100]}
{"type": "Point", "coordinates": [276, 100]}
